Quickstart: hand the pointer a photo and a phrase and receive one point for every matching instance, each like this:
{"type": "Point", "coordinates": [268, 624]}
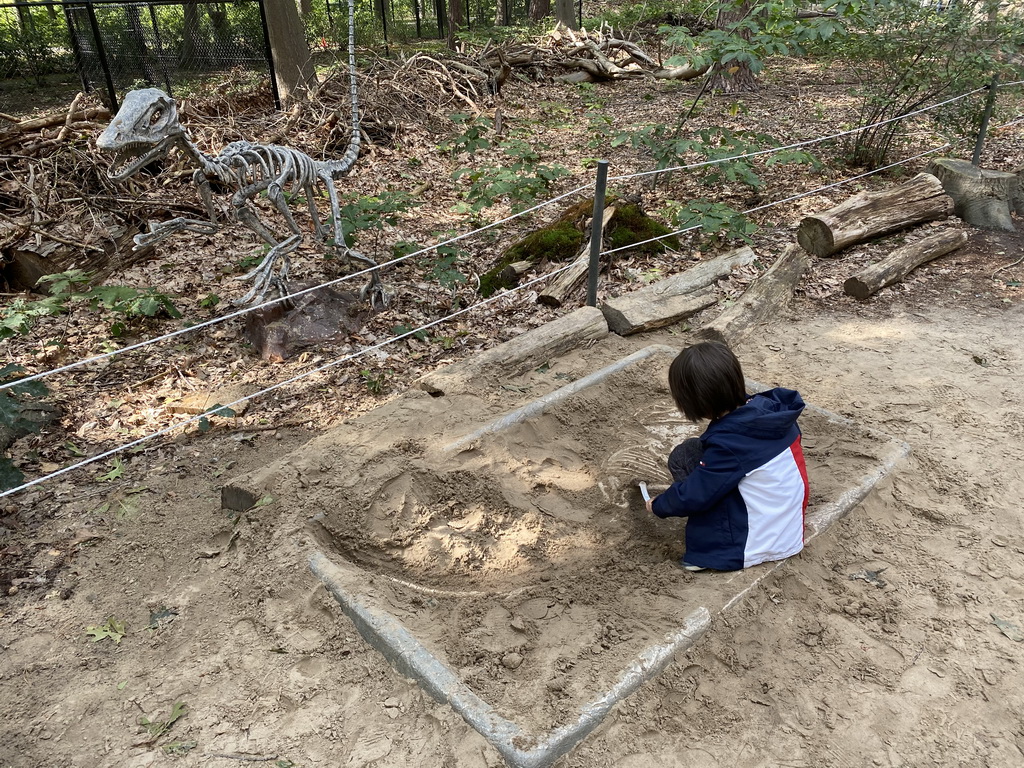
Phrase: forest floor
{"type": "Point", "coordinates": [893, 640]}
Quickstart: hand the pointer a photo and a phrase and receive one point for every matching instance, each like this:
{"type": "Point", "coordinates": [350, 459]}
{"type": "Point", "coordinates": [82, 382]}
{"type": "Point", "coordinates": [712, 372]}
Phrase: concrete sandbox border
{"type": "Point", "coordinates": [409, 657]}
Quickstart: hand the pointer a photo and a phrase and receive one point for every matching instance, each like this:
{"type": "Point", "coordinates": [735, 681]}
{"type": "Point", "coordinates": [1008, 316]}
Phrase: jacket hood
{"type": "Point", "coordinates": [767, 415]}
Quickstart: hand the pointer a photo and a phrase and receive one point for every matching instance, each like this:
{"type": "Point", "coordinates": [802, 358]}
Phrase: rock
{"type": "Point", "coordinates": [512, 661]}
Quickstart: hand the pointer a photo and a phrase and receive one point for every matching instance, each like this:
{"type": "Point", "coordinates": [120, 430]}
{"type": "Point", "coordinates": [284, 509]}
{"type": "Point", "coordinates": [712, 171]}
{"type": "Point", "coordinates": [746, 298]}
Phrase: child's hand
{"type": "Point", "coordinates": [650, 506]}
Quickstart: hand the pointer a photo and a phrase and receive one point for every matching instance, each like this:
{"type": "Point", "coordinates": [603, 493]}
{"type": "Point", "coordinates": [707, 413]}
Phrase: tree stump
{"type": "Point", "coordinates": [871, 214]}
{"type": "Point", "coordinates": [762, 300]}
{"type": "Point", "coordinates": [980, 197]}
{"type": "Point", "coordinates": [902, 262]}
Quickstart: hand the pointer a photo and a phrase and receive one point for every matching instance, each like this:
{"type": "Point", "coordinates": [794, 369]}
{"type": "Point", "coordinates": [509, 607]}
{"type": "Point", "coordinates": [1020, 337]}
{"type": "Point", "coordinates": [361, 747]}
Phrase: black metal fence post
{"type": "Point", "coordinates": [270, 56]}
{"type": "Point", "coordinates": [101, 53]}
{"type": "Point", "coordinates": [989, 104]}
{"type": "Point", "coordinates": [596, 232]}
{"type": "Point", "coordinates": [76, 49]}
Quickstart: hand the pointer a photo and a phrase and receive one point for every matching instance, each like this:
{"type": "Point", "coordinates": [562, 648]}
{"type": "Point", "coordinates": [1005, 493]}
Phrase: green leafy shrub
{"type": "Point", "coordinates": [472, 137]}
{"type": "Point", "coordinates": [717, 220]}
{"type": "Point", "coordinates": [66, 288]}
{"type": "Point", "coordinates": [522, 182]}
{"type": "Point", "coordinates": [909, 56]}
{"type": "Point", "coordinates": [725, 151]}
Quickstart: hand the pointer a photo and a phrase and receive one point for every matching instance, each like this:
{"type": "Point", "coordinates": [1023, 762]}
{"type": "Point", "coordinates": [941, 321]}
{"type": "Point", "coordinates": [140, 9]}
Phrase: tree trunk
{"type": "Point", "coordinates": [565, 13]}
{"type": "Point", "coordinates": [763, 300]}
{"type": "Point", "coordinates": [733, 77]}
{"type": "Point", "coordinates": [872, 214]}
{"type": "Point", "coordinates": [980, 197]}
{"type": "Point", "coordinates": [902, 262]}
{"type": "Point", "coordinates": [190, 42]}
{"type": "Point", "coordinates": [456, 21]}
{"type": "Point", "coordinates": [292, 64]}
{"type": "Point", "coordinates": [539, 9]}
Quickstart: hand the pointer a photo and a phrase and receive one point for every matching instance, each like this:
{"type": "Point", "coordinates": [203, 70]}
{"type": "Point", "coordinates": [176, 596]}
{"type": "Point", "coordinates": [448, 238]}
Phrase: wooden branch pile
{"type": "Point", "coordinates": [57, 207]}
{"type": "Point", "coordinates": [583, 56]}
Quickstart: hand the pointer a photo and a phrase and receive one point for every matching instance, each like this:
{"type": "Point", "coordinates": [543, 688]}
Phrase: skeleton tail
{"type": "Point", "coordinates": [337, 168]}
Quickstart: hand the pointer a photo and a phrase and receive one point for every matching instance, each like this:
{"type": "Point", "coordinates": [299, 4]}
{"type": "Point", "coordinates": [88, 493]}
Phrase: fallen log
{"type": "Point", "coordinates": [519, 354]}
{"type": "Point", "coordinates": [762, 301]}
{"type": "Point", "coordinates": [980, 197]}
{"type": "Point", "coordinates": [902, 262]}
{"type": "Point", "coordinates": [560, 288]}
{"type": "Point", "coordinates": [872, 214]}
{"type": "Point", "coordinates": [48, 121]}
{"type": "Point", "coordinates": [631, 314]}
{"type": "Point", "coordinates": [672, 299]}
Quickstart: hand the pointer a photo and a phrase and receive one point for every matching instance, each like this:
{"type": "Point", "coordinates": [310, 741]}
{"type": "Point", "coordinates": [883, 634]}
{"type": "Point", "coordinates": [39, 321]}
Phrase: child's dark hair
{"type": "Point", "coordinates": [706, 381]}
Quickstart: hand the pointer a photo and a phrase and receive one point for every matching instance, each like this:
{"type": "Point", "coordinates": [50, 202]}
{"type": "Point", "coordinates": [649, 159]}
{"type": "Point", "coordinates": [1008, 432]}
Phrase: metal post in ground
{"type": "Point", "coordinates": [101, 53]}
{"type": "Point", "coordinates": [73, 34]}
{"type": "Point", "coordinates": [990, 102]}
{"type": "Point", "coordinates": [270, 56]}
{"type": "Point", "coordinates": [596, 232]}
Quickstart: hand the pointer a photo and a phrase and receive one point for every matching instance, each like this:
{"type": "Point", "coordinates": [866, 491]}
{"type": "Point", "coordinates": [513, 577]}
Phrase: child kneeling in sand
{"type": "Point", "coordinates": [742, 484]}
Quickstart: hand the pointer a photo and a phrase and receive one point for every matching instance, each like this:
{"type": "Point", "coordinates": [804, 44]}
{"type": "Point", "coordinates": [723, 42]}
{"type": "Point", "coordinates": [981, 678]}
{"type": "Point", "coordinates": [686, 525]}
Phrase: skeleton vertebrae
{"type": "Point", "coordinates": [146, 128]}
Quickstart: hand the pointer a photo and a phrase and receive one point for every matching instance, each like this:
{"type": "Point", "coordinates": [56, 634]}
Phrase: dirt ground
{"type": "Point", "coordinates": [142, 625]}
{"type": "Point", "coordinates": [879, 645]}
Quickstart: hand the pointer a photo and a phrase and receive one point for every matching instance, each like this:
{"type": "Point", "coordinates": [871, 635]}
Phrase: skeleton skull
{"type": "Point", "coordinates": [144, 129]}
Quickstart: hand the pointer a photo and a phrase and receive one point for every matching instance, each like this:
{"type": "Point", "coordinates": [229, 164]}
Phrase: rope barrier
{"type": "Point", "coordinates": [796, 145]}
{"type": "Point", "coordinates": [246, 310]}
{"type": "Point", "coordinates": [292, 380]}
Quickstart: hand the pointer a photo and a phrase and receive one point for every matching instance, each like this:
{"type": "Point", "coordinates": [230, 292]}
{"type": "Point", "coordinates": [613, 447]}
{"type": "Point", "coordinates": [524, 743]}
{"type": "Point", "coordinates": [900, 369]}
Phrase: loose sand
{"type": "Point", "coordinates": [876, 646]}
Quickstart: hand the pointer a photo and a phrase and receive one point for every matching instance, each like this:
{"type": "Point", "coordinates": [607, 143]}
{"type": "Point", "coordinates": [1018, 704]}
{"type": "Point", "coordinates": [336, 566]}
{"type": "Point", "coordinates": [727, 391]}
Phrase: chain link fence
{"type": "Point", "coordinates": [115, 46]}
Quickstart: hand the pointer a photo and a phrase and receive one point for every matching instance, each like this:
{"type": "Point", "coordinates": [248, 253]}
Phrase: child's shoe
{"type": "Point", "coordinates": [687, 567]}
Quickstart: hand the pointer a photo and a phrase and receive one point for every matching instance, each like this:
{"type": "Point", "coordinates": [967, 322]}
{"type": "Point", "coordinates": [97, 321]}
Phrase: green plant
{"type": "Point", "coordinates": [472, 137]}
{"type": "Point", "coordinates": [908, 55]}
{"type": "Point", "coordinates": [402, 330]}
{"type": "Point", "coordinates": [13, 406]}
{"type": "Point", "coordinates": [443, 268]}
{"type": "Point", "coordinates": [66, 288]}
{"type": "Point", "coordinates": [747, 32]}
{"type": "Point", "coordinates": [718, 220]}
{"type": "Point", "coordinates": [724, 152]}
{"type": "Point", "coordinates": [204, 424]}
{"type": "Point", "coordinates": [522, 181]}
{"type": "Point", "coordinates": [209, 301]}
{"type": "Point", "coordinates": [371, 213]}
{"type": "Point", "coordinates": [375, 381]}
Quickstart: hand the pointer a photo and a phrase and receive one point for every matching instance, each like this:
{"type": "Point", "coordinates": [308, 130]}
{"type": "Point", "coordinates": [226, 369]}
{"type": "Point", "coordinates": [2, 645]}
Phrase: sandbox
{"type": "Point", "coordinates": [512, 569]}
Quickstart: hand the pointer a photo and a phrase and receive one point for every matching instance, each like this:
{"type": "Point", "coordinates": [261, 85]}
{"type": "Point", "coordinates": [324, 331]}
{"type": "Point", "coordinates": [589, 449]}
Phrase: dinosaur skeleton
{"type": "Point", "coordinates": [146, 129]}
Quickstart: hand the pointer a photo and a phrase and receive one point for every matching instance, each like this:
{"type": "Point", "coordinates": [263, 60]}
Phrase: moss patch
{"type": "Point", "coordinates": [563, 239]}
{"type": "Point", "coordinates": [631, 225]}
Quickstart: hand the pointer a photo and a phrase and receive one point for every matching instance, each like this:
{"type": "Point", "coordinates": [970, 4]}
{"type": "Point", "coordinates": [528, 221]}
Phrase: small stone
{"type": "Point", "coordinates": [512, 661]}
{"type": "Point", "coordinates": [877, 550]}
{"type": "Point", "coordinates": [518, 624]}
{"type": "Point", "coordinates": [1000, 541]}
{"type": "Point", "coordinates": [392, 703]}
{"type": "Point", "coordinates": [12, 590]}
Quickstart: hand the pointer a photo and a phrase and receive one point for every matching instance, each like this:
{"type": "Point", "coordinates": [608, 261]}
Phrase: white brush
{"type": "Point", "coordinates": [644, 493]}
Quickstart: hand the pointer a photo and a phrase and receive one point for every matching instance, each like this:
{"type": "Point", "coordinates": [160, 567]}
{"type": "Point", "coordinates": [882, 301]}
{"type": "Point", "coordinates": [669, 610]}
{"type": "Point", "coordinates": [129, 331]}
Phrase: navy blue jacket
{"type": "Point", "coordinates": [745, 503]}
